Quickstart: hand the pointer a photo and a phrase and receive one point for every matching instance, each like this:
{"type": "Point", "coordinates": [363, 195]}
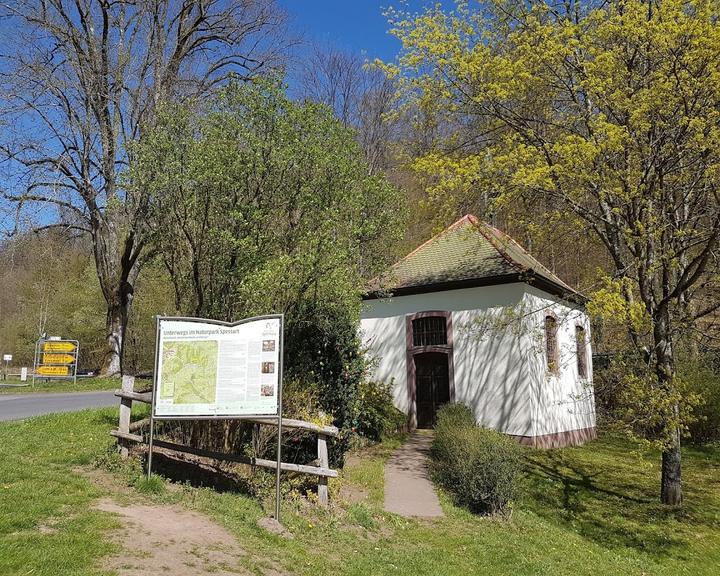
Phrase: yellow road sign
{"type": "Point", "coordinates": [58, 358]}
{"type": "Point", "coordinates": [58, 346]}
{"type": "Point", "coordinates": [53, 371]}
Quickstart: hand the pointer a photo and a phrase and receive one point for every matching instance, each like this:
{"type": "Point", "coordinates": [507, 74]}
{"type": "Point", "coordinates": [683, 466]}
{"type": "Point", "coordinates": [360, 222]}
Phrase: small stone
{"type": "Point", "coordinates": [274, 527]}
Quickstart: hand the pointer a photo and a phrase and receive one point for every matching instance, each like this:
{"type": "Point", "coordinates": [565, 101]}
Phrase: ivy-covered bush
{"type": "Point", "coordinates": [479, 467]}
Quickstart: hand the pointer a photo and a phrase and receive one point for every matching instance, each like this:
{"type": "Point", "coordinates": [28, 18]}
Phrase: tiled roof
{"type": "Point", "coordinates": [469, 251]}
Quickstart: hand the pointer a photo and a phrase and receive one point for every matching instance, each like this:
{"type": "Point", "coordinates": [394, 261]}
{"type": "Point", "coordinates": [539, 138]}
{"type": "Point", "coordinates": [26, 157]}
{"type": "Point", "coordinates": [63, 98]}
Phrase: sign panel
{"type": "Point", "coordinates": [7, 357]}
{"type": "Point", "coordinates": [58, 346]}
{"type": "Point", "coordinates": [53, 371]}
{"type": "Point", "coordinates": [206, 369]}
{"type": "Point", "coordinates": [58, 359]}
{"type": "Point", "coordinates": [23, 374]}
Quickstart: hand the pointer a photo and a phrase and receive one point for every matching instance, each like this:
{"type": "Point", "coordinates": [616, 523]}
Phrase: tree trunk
{"type": "Point", "coordinates": [116, 324]}
{"type": "Point", "coordinates": [671, 479]}
{"type": "Point", "coordinates": [115, 337]}
{"type": "Point", "coordinates": [118, 268]}
{"type": "Point", "coordinates": [671, 482]}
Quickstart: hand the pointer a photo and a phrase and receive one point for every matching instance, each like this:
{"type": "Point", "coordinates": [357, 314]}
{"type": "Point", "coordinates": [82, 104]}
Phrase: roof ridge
{"type": "Point", "coordinates": [555, 277]}
{"type": "Point", "coordinates": [494, 243]}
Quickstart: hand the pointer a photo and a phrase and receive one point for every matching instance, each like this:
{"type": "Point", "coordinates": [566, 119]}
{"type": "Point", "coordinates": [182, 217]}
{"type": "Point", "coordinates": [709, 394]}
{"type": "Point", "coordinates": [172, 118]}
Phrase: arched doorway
{"type": "Point", "coordinates": [430, 370]}
{"type": "Point", "coordinates": [432, 386]}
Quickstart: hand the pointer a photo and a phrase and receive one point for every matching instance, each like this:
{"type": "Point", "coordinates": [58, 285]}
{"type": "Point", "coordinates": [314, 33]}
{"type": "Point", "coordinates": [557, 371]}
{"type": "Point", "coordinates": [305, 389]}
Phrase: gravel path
{"type": "Point", "coordinates": [408, 489]}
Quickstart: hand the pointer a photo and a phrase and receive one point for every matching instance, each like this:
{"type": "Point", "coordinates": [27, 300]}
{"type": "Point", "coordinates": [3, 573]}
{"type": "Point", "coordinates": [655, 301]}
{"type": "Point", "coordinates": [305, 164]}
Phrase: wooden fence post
{"type": "Point", "coordinates": [323, 462]}
{"type": "Point", "coordinates": [128, 384]}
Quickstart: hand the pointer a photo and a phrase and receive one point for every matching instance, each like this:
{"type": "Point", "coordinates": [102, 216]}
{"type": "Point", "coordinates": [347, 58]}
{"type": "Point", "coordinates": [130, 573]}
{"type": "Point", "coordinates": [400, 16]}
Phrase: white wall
{"type": "Point", "coordinates": [490, 366]}
{"type": "Point", "coordinates": [498, 356]}
{"type": "Point", "coordinates": [567, 401]}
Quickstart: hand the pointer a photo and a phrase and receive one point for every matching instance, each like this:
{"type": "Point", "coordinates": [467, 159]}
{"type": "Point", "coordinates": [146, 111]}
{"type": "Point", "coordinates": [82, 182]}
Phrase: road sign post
{"type": "Point", "coordinates": [56, 358]}
{"type": "Point", "coordinates": [7, 358]}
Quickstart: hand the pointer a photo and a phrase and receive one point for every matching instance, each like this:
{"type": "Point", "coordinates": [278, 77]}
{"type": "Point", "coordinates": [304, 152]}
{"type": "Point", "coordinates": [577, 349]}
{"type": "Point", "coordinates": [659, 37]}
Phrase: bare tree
{"type": "Point", "coordinates": [360, 96]}
{"type": "Point", "coordinates": [79, 81]}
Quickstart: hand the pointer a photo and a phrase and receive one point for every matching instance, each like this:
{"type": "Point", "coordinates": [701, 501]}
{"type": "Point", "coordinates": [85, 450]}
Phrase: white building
{"type": "Point", "coordinates": [471, 317]}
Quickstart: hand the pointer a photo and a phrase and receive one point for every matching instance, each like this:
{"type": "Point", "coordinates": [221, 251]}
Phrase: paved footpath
{"type": "Point", "coordinates": [20, 406]}
{"type": "Point", "coordinates": [408, 489]}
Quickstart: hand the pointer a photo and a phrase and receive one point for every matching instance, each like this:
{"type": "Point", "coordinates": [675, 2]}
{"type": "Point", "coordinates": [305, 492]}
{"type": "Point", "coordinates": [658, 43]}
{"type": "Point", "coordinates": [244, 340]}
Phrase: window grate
{"type": "Point", "coordinates": [430, 331]}
{"type": "Point", "coordinates": [551, 344]}
{"type": "Point", "coordinates": [581, 344]}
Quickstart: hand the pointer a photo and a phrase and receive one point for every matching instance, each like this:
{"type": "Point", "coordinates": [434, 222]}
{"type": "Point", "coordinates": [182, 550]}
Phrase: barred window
{"type": "Point", "coordinates": [551, 344]}
{"type": "Point", "coordinates": [581, 344]}
{"type": "Point", "coordinates": [429, 331]}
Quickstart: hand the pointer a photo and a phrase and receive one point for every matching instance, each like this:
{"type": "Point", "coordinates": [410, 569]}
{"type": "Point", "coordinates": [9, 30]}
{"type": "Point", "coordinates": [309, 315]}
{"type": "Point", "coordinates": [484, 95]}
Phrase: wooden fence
{"type": "Point", "coordinates": [126, 435]}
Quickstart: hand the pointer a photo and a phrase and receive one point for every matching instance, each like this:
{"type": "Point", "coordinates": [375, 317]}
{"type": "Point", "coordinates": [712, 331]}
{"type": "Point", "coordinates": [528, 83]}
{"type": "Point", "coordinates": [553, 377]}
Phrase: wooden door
{"type": "Point", "coordinates": [432, 386]}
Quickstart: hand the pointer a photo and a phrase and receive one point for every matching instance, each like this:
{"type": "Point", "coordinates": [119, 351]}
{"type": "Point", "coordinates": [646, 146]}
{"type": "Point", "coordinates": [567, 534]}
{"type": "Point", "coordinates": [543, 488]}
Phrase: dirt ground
{"type": "Point", "coordinates": [167, 539]}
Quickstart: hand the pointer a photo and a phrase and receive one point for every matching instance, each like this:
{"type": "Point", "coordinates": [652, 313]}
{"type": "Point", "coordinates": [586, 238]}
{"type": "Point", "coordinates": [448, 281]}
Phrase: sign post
{"type": "Point", "coordinates": [209, 370]}
{"type": "Point", "coordinates": [7, 358]}
{"type": "Point", "coordinates": [56, 358]}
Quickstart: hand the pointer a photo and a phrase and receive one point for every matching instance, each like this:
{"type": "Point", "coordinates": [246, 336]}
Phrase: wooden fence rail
{"type": "Point", "coordinates": [126, 435]}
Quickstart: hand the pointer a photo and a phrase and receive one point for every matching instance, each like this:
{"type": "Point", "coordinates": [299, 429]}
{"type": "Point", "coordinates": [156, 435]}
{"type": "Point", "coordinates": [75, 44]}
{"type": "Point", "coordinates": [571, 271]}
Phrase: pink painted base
{"type": "Point", "coordinates": [559, 439]}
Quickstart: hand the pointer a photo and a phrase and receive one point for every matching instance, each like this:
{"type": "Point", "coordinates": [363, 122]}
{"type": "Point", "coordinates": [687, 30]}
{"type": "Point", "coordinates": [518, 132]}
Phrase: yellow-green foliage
{"type": "Point", "coordinates": [577, 76]}
{"type": "Point", "coordinates": [602, 113]}
{"type": "Point", "coordinates": [611, 303]}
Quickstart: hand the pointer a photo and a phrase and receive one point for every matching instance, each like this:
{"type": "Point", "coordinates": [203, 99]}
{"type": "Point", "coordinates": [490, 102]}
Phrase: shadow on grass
{"type": "Point", "coordinates": [598, 492]}
{"type": "Point", "coordinates": [199, 475]}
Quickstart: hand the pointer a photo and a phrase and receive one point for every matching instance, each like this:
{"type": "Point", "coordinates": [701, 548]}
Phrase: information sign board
{"type": "Point", "coordinates": [209, 369]}
{"type": "Point", "coordinates": [7, 357]}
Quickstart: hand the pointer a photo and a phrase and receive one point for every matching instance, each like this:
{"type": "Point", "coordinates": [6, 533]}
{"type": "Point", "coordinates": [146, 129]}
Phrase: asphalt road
{"type": "Point", "coordinates": [20, 406]}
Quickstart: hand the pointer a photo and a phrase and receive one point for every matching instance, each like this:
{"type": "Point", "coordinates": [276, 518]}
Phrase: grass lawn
{"type": "Point", "coordinates": [84, 384]}
{"type": "Point", "coordinates": [588, 510]}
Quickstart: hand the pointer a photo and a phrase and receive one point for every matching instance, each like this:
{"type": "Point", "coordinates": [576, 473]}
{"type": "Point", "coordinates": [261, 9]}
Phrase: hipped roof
{"type": "Point", "coordinates": [468, 253]}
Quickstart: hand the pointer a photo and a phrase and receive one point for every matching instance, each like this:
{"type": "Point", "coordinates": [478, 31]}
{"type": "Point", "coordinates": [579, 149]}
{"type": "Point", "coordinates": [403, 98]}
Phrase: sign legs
{"type": "Point", "coordinates": [277, 470]}
{"type": "Point", "coordinates": [150, 446]}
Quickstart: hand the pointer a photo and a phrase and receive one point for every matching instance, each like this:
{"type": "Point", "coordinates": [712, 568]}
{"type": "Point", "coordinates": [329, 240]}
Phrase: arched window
{"type": "Point", "coordinates": [551, 345]}
{"type": "Point", "coordinates": [581, 344]}
{"type": "Point", "coordinates": [429, 331]}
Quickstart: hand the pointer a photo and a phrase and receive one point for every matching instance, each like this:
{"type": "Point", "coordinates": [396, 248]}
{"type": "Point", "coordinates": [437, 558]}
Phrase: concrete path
{"type": "Point", "coordinates": [20, 406]}
{"type": "Point", "coordinates": [408, 489]}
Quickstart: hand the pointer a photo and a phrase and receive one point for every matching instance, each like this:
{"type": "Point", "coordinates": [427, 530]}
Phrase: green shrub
{"type": "Point", "coordinates": [454, 415]}
{"type": "Point", "coordinates": [703, 380]}
{"type": "Point", "coordinates": [479, 467]}
{"type": "Point", "coordinates": [375, 414]}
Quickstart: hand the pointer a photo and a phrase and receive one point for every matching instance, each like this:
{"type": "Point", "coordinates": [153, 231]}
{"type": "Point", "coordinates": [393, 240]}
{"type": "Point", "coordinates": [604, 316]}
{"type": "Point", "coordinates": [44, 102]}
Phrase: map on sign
{"type": "Point", "coordinates": [207, 369]}
{"type": "Point", "coordinates": [189, 372]}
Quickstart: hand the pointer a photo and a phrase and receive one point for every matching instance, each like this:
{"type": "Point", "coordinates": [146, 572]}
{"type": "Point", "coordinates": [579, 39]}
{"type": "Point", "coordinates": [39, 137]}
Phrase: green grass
{"type": "Point", "coordinates": [47, 524]}
{"type": "Point", "coordinates": [587, 510]}
{"type": "Point", "coordinates": [86, 384]}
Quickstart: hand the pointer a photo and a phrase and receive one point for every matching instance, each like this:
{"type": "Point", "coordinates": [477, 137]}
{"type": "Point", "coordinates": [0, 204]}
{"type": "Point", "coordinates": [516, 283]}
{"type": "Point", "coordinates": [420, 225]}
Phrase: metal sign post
{"type": "Point", "coordinates": [279, 428]}
{"type": "Point", "coordinates": [213, 370]}
{"type": "Point", "coordinates": [56, 358]}
{"type": "Point", "coordinates": [7, 358]}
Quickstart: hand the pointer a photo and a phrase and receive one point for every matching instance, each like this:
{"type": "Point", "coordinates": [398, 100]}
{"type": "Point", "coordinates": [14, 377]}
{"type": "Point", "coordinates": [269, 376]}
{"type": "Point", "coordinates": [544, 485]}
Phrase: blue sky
{"type": "Point", "coordinates": [353, 25]}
